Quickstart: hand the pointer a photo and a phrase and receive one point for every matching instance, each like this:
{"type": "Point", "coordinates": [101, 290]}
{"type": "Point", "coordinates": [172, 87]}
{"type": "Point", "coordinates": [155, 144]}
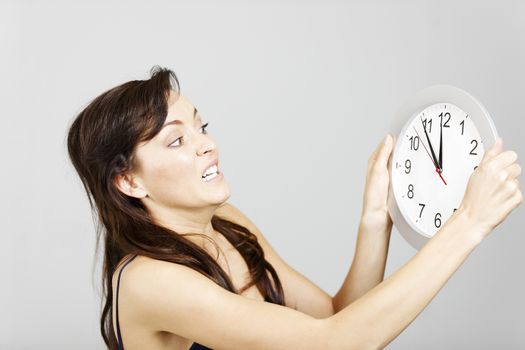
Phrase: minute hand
{"type": "Point", "coordinates": [434, 159]}
{"type": "Point", "coordinates": [440, 160]}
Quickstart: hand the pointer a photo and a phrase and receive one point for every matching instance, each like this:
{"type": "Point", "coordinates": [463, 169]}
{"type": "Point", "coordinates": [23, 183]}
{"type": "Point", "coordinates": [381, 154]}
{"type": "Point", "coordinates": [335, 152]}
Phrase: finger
{"type": "Point", "coordinates": [385, 151]}
{"type": "Point", "coordinates": [518, 198]}
{"type": "Point", "coordinates": [513, 170]}
{"type": "Point", "coordinates": [517, 184]}
{"type": "Point", "coordinates": [511, 188]}
{"type": "Point", "coordinates": [389, 162]}
{"type": "Point", "coordinates": [514, 201]}
{"type": "Point", "coordinates": [373, 157]}
{"type": "Point", "coordinates": [494, 150]}
{"type": "Point", "coordinates": [504, 159]}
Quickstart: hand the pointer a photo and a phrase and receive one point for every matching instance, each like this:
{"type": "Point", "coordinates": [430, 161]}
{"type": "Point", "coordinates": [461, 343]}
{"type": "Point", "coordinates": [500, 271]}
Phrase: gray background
{"type": "Point", "coordinates": [297, 94]}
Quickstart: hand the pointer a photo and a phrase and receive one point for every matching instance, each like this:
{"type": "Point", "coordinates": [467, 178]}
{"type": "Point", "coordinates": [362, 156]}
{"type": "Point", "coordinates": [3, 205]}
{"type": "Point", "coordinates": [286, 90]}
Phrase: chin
{"type": "Point", "coordinates": [220, 197]}
{"type": "Point", "coordinates": [226, 196]}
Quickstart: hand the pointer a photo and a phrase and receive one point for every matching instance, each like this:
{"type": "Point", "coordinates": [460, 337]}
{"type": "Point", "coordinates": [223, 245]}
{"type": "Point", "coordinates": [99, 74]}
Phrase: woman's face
{"type": "Point", "coordinates": [171, 165]}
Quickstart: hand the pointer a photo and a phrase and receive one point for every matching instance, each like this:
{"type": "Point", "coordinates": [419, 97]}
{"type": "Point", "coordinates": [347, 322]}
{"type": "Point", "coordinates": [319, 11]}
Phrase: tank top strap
{"type": "Point", "coordinates": [197, 346]}
{"type": "Point", "coordinates": [119, 337]}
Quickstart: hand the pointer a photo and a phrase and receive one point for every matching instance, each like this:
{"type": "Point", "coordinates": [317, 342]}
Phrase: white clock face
{"type": "Point", "coordinates": [427, 198]}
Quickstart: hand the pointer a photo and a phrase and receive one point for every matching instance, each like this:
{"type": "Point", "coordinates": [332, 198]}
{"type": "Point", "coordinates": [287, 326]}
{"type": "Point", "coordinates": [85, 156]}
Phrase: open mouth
{"type": "Point", "coordinates": [210, 173]}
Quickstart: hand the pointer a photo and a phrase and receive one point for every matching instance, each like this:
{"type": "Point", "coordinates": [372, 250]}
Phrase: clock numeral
{"type": "Point", "coordinates": [437, 220]}
{"type": "Point", "coordinates": [475, 167]}
{"type": "Point", "coordinates": [414, 143]}
{"type": "Point", "coordinates": [429, 124]}
{"type": "Point", "coordinates": [422, 207]}
{"type": "Point", "coordinates": [446, 123]}
{"type": "Point", "coordinates": [455, 210]}
{"type": "Point", "coordinates": [476, 145]}
{"type": "Point", "coordinates": [462, 126]}
{"type": "Point", "coordinates": [408, 166]}
{"type": "Point", "coordinates": [410, 193]}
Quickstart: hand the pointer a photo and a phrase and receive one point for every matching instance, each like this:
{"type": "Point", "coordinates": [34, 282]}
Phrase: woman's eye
{"type": "Point", "coordinates": [173, 143]}
{"type": "Point", "coordinates": [180, 138]}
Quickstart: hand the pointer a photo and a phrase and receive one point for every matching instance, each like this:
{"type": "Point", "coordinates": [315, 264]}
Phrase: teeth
{"type": "Point", "coordinates": [209, 177]}
{"type": "Point", "coordinates": [211, 170]}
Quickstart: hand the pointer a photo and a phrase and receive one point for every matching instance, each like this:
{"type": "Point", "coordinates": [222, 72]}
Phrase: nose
{"type": "Point", "coordinates": [205, 145]}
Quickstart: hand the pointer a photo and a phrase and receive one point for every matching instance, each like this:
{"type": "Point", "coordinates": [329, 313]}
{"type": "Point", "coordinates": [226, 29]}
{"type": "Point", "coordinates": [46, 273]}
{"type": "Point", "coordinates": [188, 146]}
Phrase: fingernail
{"type": "Point", "coordinates": [387, 139]}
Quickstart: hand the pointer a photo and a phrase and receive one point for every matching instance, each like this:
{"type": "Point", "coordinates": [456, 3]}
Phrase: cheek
{"type": "Point", "coordinates": [171, 177]}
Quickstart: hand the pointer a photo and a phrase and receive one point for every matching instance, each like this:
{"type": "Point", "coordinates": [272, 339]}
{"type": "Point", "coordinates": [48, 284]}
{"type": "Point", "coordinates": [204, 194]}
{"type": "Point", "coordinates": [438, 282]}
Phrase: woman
{"type": "Point", "coordinates": [199, 274]}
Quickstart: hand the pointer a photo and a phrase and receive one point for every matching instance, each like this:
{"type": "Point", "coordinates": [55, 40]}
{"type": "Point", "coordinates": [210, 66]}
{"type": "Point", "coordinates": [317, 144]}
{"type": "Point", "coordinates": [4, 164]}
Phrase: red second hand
{"type": "Point", "coordinates": [439, 173]}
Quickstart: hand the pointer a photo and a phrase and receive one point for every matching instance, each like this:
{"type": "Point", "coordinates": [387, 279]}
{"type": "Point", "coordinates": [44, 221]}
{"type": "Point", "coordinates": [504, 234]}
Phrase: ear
{"type": "Point", "coordinates": [127, 185]}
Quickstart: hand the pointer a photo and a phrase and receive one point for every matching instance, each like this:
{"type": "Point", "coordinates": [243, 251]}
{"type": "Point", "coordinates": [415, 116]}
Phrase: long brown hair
{"type": "Point", "coordinates": [101, 142]}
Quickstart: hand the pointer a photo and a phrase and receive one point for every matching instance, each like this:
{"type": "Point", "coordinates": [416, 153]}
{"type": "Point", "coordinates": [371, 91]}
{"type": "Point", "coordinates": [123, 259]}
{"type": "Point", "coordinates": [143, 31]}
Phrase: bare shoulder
{"type": "Point", "coordinates": [144, 270]}
{"type": "Point", "coordinates": [152, 286]}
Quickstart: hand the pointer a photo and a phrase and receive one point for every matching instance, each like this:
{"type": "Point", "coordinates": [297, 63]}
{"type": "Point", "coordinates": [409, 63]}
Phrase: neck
{"type": "Point", "coordinates": [186, 220]}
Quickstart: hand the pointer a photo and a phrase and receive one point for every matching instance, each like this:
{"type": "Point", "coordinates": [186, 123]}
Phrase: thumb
{"type": "Point", "coordinates": [494, 150]}
{"type": "Point", "coordinates": [386, 149]}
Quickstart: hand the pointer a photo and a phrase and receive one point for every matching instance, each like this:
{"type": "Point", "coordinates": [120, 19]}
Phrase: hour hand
{"type": "Point", "coordinates": [434, 159]}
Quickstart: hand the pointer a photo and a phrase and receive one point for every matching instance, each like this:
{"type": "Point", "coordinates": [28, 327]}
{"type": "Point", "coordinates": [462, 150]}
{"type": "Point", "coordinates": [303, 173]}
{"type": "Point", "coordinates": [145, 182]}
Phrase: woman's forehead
{"type": "Point", "coordinates": [179, 107]}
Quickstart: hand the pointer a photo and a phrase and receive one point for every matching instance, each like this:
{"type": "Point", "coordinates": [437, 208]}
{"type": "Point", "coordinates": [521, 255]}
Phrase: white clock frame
{"type": "Point", "coordinates": [429, 96]}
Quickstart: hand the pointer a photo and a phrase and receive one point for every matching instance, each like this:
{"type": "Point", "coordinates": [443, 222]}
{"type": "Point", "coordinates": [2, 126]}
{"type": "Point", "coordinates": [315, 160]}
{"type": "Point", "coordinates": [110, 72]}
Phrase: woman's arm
{"type": "Point", "coordinates": [177, 299]}
{"type": "Point", "coordinates": [373, 236]}
{"type": "Point", "coordinates": [369, 262]}
{"type": "Point", "coordinates": [386, 310]}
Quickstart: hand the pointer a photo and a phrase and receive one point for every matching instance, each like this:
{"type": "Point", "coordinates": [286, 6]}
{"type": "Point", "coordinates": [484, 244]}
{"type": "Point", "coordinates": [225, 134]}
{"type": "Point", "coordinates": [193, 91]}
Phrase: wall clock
{"type": "Point", "coordinates": [443, 137]}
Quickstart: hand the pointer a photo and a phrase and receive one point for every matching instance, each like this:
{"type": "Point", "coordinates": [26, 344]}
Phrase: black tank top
{"type": "Point", "coordinates": [194, 346]}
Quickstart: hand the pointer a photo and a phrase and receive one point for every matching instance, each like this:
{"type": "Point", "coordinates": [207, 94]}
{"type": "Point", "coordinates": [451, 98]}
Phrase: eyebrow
{"type": "Point", "coordinates": [176, 121]}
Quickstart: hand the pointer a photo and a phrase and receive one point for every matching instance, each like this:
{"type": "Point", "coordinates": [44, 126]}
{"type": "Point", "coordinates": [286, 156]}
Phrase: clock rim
{"type": "Point", "coordinates": [441, 93]}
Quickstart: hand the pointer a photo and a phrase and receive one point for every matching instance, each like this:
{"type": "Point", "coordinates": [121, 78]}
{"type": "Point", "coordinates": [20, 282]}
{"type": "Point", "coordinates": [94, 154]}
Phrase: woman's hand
{"type": "Point", "coordinates": [493, 190]}
{"type": "Point", "coordinates": [375, 211]}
